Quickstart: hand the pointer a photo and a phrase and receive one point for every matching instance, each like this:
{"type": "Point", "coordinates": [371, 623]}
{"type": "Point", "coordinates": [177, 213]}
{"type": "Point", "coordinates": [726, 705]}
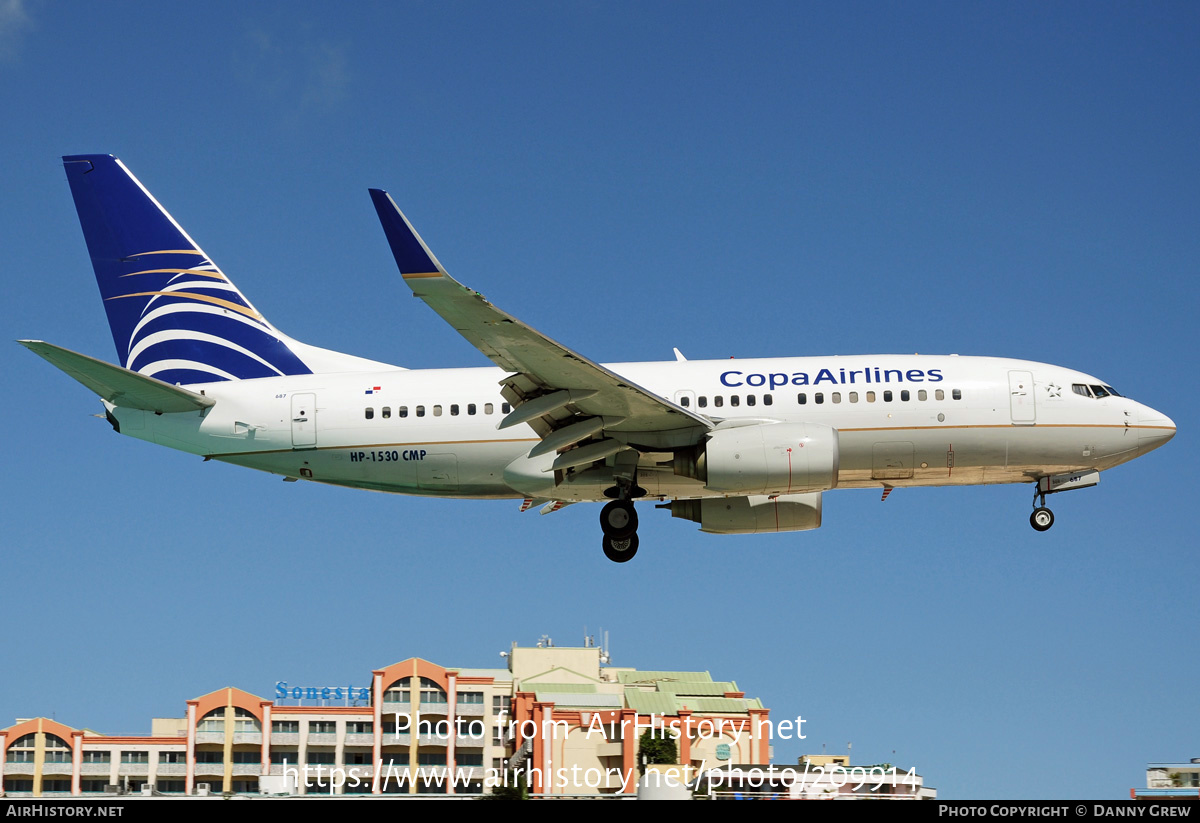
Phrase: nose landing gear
{"type": "Point", "coordinates": [1042, 518]}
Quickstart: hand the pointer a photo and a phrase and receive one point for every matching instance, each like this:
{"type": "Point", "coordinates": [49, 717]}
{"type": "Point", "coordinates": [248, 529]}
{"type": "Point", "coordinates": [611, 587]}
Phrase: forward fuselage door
{"type": "Point", "coordinates": [304, 421]}
{"type": "Point", "coordinates": [1021, 399]}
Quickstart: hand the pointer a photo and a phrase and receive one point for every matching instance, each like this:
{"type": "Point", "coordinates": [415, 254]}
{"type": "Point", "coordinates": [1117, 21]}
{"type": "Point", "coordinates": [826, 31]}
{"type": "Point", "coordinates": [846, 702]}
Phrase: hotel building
{"type": "Point", "coordinates": [568, 724]}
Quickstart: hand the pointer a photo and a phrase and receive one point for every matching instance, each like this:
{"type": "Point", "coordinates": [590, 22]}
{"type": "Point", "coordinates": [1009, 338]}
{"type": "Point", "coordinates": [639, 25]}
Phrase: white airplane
{"type": "Point", "coordinates": [738, 446]}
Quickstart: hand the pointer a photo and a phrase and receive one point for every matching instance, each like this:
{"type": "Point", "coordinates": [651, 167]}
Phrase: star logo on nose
{"type": "Point", "coordinates": [1054, 390]}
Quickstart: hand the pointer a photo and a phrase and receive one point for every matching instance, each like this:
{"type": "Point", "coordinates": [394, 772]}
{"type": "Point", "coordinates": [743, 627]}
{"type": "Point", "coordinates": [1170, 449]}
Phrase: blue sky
{"type": "Point", "coordinates": [781, 179]}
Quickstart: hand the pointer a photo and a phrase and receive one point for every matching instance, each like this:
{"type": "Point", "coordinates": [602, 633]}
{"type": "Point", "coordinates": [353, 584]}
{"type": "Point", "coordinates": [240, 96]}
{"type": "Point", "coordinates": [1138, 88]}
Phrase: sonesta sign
{"type": "Point", "coordinates": [284, 692]}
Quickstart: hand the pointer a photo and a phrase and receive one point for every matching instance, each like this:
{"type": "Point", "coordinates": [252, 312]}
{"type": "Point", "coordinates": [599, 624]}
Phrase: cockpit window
{"type": "Point", "coordinates": [1094, 390]}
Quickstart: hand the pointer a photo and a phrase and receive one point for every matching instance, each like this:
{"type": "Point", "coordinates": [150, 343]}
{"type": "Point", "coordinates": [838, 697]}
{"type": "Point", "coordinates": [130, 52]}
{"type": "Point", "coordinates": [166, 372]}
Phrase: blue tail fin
{"type": "Point", "coordinates": [174, 315]}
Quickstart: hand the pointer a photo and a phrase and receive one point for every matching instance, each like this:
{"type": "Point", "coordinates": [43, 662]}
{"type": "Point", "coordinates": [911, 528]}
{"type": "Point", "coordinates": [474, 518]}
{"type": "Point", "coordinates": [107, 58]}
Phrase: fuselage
{"type": "Point", "coordinates": [902, 420]}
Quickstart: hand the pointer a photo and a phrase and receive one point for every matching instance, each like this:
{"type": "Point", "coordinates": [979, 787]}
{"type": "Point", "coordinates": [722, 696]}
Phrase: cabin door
{"type": "Point", "coordinates": [304, 421]}
{"type": "Point", "coordinates": [1021, 399]}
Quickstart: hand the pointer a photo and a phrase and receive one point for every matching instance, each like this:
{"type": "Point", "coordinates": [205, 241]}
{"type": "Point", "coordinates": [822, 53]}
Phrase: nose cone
{"type": "Point", "coordinates": [1154, 429]}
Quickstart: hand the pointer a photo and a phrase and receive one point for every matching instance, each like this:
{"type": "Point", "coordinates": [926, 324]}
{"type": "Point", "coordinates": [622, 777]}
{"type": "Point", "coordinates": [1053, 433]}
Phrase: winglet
{"type": "Point", "coordinates": [413, 257]}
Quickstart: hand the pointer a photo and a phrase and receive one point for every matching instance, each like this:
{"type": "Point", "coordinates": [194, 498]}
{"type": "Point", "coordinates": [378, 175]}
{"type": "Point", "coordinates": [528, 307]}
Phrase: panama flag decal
{"type": "Point", "coordinates": [372, 390]}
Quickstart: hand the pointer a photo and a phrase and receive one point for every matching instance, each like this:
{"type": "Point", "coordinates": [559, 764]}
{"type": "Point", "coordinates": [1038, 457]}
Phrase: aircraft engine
{"type": "Point", "coordinates": [767, 458]}
{"type": "Point", "coordinates": [753, 514]}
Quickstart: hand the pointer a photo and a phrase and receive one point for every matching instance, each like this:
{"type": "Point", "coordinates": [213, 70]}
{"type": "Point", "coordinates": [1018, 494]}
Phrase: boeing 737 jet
{"type": "Point", "coordinates": [738, 446]}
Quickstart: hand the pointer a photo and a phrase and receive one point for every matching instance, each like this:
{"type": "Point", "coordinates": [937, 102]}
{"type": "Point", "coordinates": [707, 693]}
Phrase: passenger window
{"type": "Point", "coordinates": [750, 400]}
{"type": "Point", "coordinates": [853, 397]}
{"type": "Point", "coordinates": [870, 397]}
{"type": "Point", "coordinates": [454, 409]}
{"type": "Point", "coordinates": [487, 408]}
{"type": "Point", "coordinates": [887, 397]}
{"type": "Point", "coordinates": [386, 412]}
{"type": "Point", "coordinates": [837, 397]}
{"type": "Point", "coordinates": [939, 395]}
{"type": "Point", "coordinates": [956, 394]}
{"type": "Point", "coordinates": [904, 395]}
{"type": "Point", "coordinates": [767, 400]}
{"type": "Point", "coordinates": [370, 413]}
{"type": "Point", "coordinates": [718, 401]}
{"type": "Point", "coordinates": [735, 400]}
{"type": "Point", "coordinates": [685, 401]}
{"type": "Point", "coordinates": [470, 408]}
{"type": "Point", "coordinates": [402, 411]}
{"type": "Point", "coordinates": [802, 398]}
{"type": "Point", "coordinates": [702, 402]}
{"type": "Point", "coordinates": [437, 410]}
{"type": "Point", "coordinates": [420, 411]}
{"type": "Point", "coordinates": [922, 395]}
{"type": "Point", "coordinates": [819, 397]}
{"type": "Point", "coordinates": [505, 408]}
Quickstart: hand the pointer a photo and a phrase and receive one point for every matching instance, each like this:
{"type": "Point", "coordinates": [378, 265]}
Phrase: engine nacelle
{"type": "Point", "coordinates": [753, 514]}
{"type": "Point", "coordinates": [767, 458]}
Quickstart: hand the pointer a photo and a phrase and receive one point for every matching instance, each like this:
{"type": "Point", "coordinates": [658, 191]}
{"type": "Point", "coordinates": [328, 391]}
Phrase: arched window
{"type": "Point", "coordinates": [431, 692]}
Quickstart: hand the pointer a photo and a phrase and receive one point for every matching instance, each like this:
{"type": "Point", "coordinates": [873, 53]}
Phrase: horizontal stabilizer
{"type": "Point", "coordinates": [119, 386]}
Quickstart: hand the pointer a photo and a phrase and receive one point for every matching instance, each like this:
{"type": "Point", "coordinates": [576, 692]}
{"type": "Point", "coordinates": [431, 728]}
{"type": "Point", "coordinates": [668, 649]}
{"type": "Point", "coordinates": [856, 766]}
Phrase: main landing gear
{"type": "Point", "coordinates": [619, 522]}
{"type": "Point", "coordinates": [1042, 518]}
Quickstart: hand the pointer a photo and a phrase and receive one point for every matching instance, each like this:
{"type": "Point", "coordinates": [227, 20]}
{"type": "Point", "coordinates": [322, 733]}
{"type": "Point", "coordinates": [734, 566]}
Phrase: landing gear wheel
{"type": "Point", "coordinates": [620, 551]}
{"type": "Point", "coordinates": [1041, 519]}
{"type": "Point", "coordinates": [618, 519]}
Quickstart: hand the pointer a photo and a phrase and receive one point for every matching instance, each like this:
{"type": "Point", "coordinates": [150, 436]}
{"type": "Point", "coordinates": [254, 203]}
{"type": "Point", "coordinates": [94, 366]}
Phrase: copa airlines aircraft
{"type": "Point", "coordinates": [738, 446]}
